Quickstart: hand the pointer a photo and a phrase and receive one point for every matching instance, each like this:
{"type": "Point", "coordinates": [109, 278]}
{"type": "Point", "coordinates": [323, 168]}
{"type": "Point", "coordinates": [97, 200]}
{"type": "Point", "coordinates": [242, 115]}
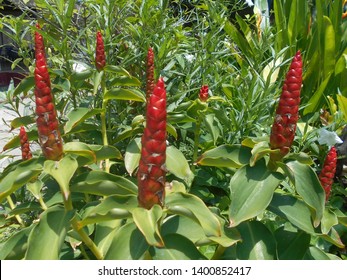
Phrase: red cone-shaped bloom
{"type": "Point", "coordinates": [24, 143]}
{"type": "Point", "coordinates": [100, 60]}
{"type": "Point", "coordinates": [151, 173]}
{"type": "Point", "coordinates": [326, 177]}
{"type": "Point", "coordinates": [47, 122]}
{"type": "Point", "coordinates": [284, 126]}
{"type": "Point", "coordinates": [149, 73]}
{"type": "Point", "coordinates": [203, 94]}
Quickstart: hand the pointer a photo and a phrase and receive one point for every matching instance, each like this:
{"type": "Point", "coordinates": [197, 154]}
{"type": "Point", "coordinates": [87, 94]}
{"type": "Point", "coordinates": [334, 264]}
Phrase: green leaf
{"type": "Point", "coordinates": [251, 191]}
{"type": "Point", "coordinates": [15, 142]}
{"type": "Point", "coordinates": [329, 47]}
{"type": "Point", "coordinates": [78, 116]}
{"type": "Point", "coordinates": [342, 102]}
{"type": "Point", "coordinates": [105, 232]}
{"type": "Point", "coordinates": [62, 171]}
{"type": "Point", "coordinates": [314, 253]}
{"type": "Point", "coordinates": [128, 244]}
{"type": "Point", "coordinates": [132, 155]}
{"type": "Point", "coordinates": [124, 81]}
{"type": "Point", "coordinates": [102, 183]}
{"type": "Point", "coordinates": [259, 151]}
{"type": "Point", "coordinates": [333, 237]}
{"type": "Point", "coordinates": [15, 247]}
{"type": "Point", "coordinates": [308, 187]}
{"type": "Point", "coordinates": [177, 164]}
{"type": "Point", "coordinates": [52, 229]}
{"type": "Point", "coordinates": [177, 247]}
{"type": "Point", "coordinates": [116, 70]}
{"type": "Point", "coordinates": [294, 210]}
{"type": "Point", "coordinates": [111, 208]}
{"type": "Point", "coordinates": [22, 121]}
{"type": "Point", "coordinates": [105, 152]}
{"type": "Point", "coordinates": [97, 81]}
{"type": "Point", "coordinates": [81, 149]}
{"type": "Point", "coordinates": [24, 172]}
{"type": "Point", "coordinates": [233, 156]}
{"type": "Point", "coordinates": [148, 222]}
{"type": "Point", "coordinates": [291, 245]}
{"type": "Point", "coordinates": [124, 94]}
{"type": "Point", "coordinates": [35, 188]}
{"type": "Point", "coordinates": [25, 85]}
{"type": "Point", "coordinates": [194, 208]}
{"type": "Point", "coordinates": [258, 243]}
{"type": "Point", "coordinates": [212, 126]}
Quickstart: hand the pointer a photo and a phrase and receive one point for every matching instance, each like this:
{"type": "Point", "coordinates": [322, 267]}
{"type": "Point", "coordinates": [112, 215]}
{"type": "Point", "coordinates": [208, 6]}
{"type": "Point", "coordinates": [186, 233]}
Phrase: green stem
{"type": "Point", "coordinates": [12, 206]}
{"type": "Point", "coordinates": [42, 203]}
{"type": "Point", "coordinates": [104, 123]}
{"type": "Point", "coordinates": [196, 140]}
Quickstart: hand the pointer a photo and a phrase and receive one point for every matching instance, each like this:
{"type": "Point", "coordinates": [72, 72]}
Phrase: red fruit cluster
{"type": "Point", "coordinates": [149, 73]}
{"type": "Point", "coordinates": [203, 94]}
{"type": "Point", "coordinates": [284, 126]}
{"type": "Point", "coordinates": [100, 60]}
{"type": "Point", "coordinates": [24, 143]}
{"type": "Point", "coordinates": [47, 122]}
{"type": "Point", "coordinates": [151, 173]}
{"type": "Point", "coordinates": [326, 177]}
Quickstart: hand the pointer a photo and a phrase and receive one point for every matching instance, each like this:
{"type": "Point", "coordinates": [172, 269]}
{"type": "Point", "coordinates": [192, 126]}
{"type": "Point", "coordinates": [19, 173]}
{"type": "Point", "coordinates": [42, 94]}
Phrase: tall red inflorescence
{"type": "Point", "coordinates": [152, 172]}
{"type": "Point", "coordinates": [326, 177]}
{"type": "Point", "coordinates": [24, 144]}
{"type": "Point", "coordinates": [284, 126]}
{"type": "Point", "coordinates": [47, 122]}
{"type": "Point", "coordinates": [100, 58]}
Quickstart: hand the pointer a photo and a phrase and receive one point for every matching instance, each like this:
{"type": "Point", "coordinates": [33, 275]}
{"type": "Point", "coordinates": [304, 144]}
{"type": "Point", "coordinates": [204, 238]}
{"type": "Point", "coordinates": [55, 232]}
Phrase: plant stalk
{"type": "Point", "coordinates": [12, 206]}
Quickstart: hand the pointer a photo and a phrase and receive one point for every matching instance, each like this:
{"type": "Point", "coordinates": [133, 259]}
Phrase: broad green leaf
{"type": "Point", "coordinates": [328, 221]}
{"type": "Point", "coordinates": [47, 237]}
{"type": "Point", "coordinates": [314, 253]}
{"type": "Point", "coordinates": [177, 164]}
{"type": "Point", "coordinates": [15, 142]}
{"type": "Point", "coordinates": [124, 81]}
{"type": "Point", "coordinates": [97, 81]}
{"type": "Point", "coordinates": [81, 149]}
{"type": "Point", "coordinates": [291, 245]}
{"type": "Point", "coordinates": [258, 243]}
{"type": "Point", "coordinates": [177, 247]}
{"type": "Point", "coordinates": [128, 244]}
{"type": "Point", "coordinates": [24, 208]}
{"type": "Point", "coordinates": [194, 208]}
{"type": "Point", "coordinates": [105, 152]}
{"type": "Point", "coordinates": [342, 102]}
{"type": "Point", "coordinates": [212, 126]}
{"type": "Point", "coordinates": [62, 171]}
{"type": "Point", "coordinates": [329, 47]}
{"type": "Point", "coordinates": [16, 246]}
{"type": "Point", "coordinates": [233, 156]}
{"type": "Point", "coordinates": [111, 208]}
{"type": "Point", "coordinates": [251, 191]}
{"type": "Point", "coordinates": [124, 94]}
{"type": "Point", "coordinates": [81, 76]}
{"type": "Point", "coordinates": [25, 85]}
{"type": "Point", "coordinates": [333, 237]}
{"type": "Point", "coordinates": [308, 187]}
{"type": "Point", "coordinates": [294, 210]}
{"type": "Point", "coordinates": [23, 173]}
{"type": "Point", "coordinates": [259, 151]}
{"type": "Point", "coordinates": [105, 232]}
{"type": "Point", "coordinates": [102, 183]}
{"type": "Point", "coordinates": [132, 155]}
{"type": "Point", "coordinates": [116, 70]}
{"type": "Point", "coordinates": [148, 222]}
{"type": "Point", "coordinates": [35, 188]}
{"type": "Point", "coordinates": [22, 121]}
{"type": "Point", "coordinates": [78, 116]}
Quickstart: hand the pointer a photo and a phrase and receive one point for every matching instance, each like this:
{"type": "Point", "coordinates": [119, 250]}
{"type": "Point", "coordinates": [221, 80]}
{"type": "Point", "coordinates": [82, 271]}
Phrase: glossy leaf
{"type": "Point", "coordinates": [81, 149]}
{"type": "Point", "coordinates": [329, 47]}
{"type": "Point", "coordinates": [102, 183]}
{"type": "Point", "coordinates": [124, 81]}
{"type": "Point", "coordinates": [24, 172]}
{"type": "Point", "coordinates": [52, 229]}
{"type": "Point", "coordinates": [232, 156]}
{"type": "Point", "coordinates": [294, 210]}
{"type": "Point", "coordinates": [105, 232]}
{"type": "Point", "coordinates": [328, 221]}
{"type": "Point", "coordinates": [258, 243]}
{"type": "Point", "coordinates": [25, 85]}
{"type": "Point", "coordinates": [105, 152]}
{"type": "Point", "coordinates": [177, 247]}
{"type": "Point", "coordinates": [148, 222]}
{"type": "Point", "coordinates": [194, 208]}
{"type": "Point", "coordinates": [128, 244]}
{"type": "Point", "coordinates": [22, 121]}
{"type": "Point", "coordinates": [291, 245]}
{"type": "Point", "coordinates": [78, 116]}
{"type": "Point", "coordinates": [177, 164]}
{"type": "Point", "coordinates": [124, 94]}
{"type": "Point", "coordinates": [342, 101]}
{"type": "Point", "coordinates": [251, 191]}
{"type": "Point", "coordinates": [314, 253]}
{"type": "Point", "coordinates": [308, 187]}
{"type": "Point", "coordinates": [132, 155]}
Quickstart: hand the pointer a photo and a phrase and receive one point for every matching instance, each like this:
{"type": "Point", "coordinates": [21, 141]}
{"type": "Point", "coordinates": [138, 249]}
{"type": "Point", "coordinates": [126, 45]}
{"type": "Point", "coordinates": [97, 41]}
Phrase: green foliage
{"type": "Point", "coordinates": [224, 199]}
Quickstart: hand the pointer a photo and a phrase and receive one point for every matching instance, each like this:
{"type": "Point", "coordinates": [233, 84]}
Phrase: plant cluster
{"type": "Point", "coordinates": [171, 132]}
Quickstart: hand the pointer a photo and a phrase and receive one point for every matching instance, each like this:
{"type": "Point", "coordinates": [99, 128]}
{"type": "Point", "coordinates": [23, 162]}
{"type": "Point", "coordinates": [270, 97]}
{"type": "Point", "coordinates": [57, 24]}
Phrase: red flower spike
{"type": "Point", "coordinates": [203, 95]}
{"type": "Point", "coordinates": [149, 73]}
{"type": "Point", "coordinates": [284, 126]}
{"type": "Point", "coordinates": [151, 173]}
{"type": "Point", "coordinates": [100, 60]}
{"type": "Point", "coordinates": [47, 123]}
{"type": "Point", "coordinates": [326, 177]}
{"type": "Point", "coordinates": [24, 143]}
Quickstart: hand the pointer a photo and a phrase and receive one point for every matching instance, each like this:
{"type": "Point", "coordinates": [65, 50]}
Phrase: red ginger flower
{"type": "Point", "coordinates": [203, 94]}
{"type": "Point", "coordinates": [100, 60]}
{"type": "Point", "coordinates": [24, 143]}
{"type": "Point", "coordinates": [47, 123]}
{"type": "Point", "coordinates": [151, 173]}
{"type": "Point", "coordinates": [149, 73]}
{"type": "Point", "coordinates": [326, 177]}
{"type": "Point", "coordinates": [284, 126]}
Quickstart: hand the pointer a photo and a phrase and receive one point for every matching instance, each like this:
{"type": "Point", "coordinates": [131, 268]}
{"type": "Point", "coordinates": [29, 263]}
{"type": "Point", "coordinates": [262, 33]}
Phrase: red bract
{"type": "Point", "coordinates": [151, 173]}
{"type": "Point", "coordinates": [326, 177]}
{"type": "Point", "coordinates": [47, 123]}
{"type": "Point", "coordinates": [24, 143]}
{"type": "Point", "coordinates": [203, 94]}
{"type": "Point", "coordinates": [284, 126]}
{"type": "Point", "coordinates": [100, 60]}
{"type": "Point", "coordinates": [149, 73]}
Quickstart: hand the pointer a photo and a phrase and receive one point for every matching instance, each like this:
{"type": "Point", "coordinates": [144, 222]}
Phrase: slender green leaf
{"type": "Point", "coordinates": [124, 94]}
{"type": "Point", "coordinates": [78, 116]}
{"type": "Point", "coordinates": [25, 85]}
{"type": "Point", "coordinates": [329, 48]}
{"type": "Point", "coordinates": [342, 102]}
{"type": "Point", "coordinates": [132, 155]}
{"type": "Point", "coordinates": [22, 121]}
